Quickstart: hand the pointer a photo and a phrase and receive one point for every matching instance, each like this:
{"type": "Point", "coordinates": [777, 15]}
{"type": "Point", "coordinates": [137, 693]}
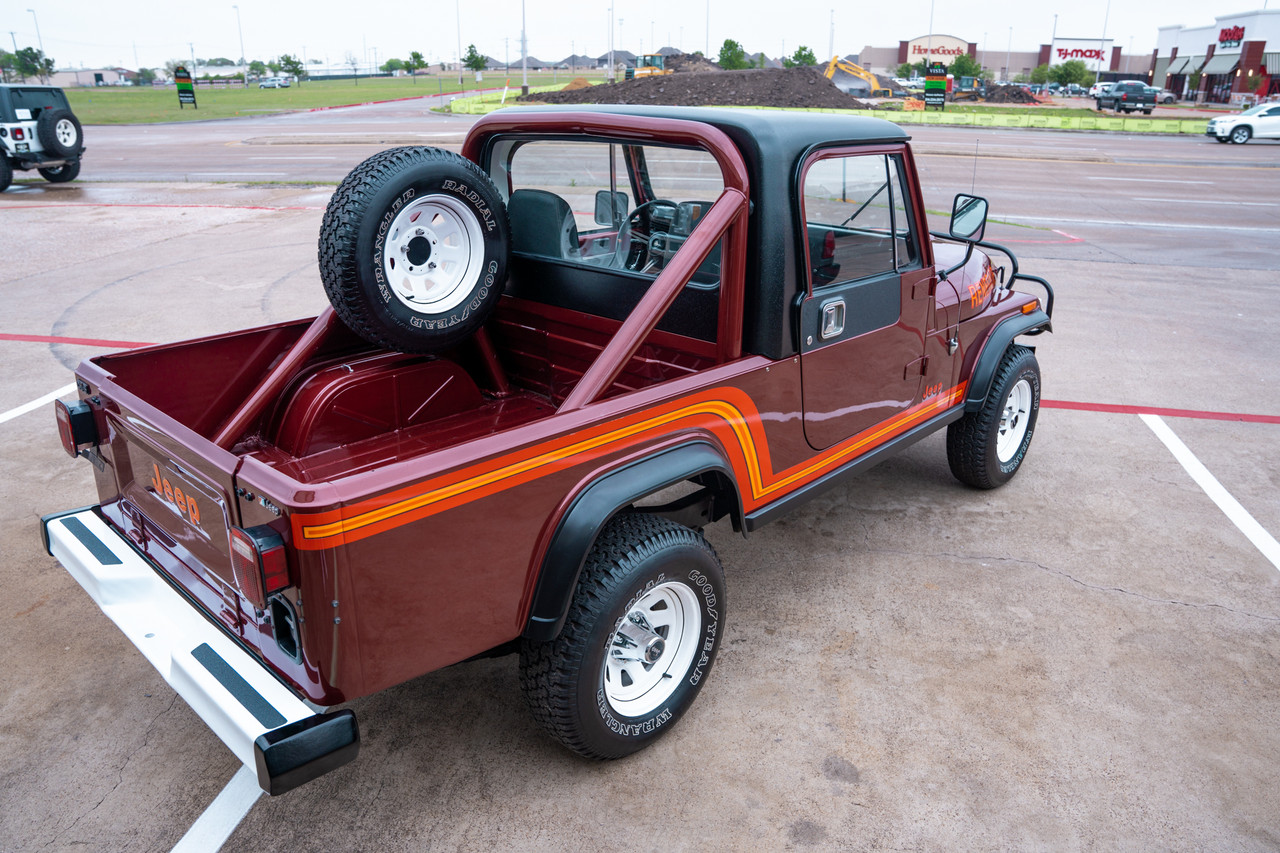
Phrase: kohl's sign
{"type": "Point", "coordinates": [1230, 36]}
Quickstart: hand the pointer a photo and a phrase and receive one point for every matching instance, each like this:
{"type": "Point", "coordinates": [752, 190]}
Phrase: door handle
{"type": "Point", "coordinates": [832, 320]}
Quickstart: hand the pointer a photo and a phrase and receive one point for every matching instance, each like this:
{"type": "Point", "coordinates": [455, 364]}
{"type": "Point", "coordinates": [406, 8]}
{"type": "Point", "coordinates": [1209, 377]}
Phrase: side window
{"type": "Point", "coordinates": [857, 218]}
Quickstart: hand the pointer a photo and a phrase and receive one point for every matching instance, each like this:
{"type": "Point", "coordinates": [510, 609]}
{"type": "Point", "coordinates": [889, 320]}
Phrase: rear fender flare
{"type": "Point", "coordinates": [998, 341]}
{"type": "Point", "coordinates": [592, 508]}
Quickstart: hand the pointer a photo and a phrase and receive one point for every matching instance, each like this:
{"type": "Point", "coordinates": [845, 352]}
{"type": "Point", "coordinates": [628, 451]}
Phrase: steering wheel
{"type": "Point", "coordinates": [632, 253]}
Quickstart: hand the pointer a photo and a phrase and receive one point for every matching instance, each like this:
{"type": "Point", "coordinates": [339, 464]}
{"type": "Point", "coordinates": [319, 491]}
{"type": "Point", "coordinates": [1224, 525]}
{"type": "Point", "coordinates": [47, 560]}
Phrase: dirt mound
{"type": "Point", "coordinates": [679, 63]}
{"type": "Point", "coordinates": [1010, 95]}
{"type": "Point", "coordinates": [755, 87]}
{"type": "Point", "coordinates": [577, 83]}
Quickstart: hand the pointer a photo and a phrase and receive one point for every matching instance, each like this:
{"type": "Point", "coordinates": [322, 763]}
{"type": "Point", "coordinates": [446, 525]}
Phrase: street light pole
{"type": "Point", "coordinates": [37, 20]}
{"type": "Point", "coordinates": [1102, 42]}
{"type": "Point", "coordinates": [524, 53]}
{"type": "Point", "coordinates": [610, 76]}
{"type": "Point", "coordinates": [1008, 51]}
{"type": "Point", "coordinates": [244, 73]}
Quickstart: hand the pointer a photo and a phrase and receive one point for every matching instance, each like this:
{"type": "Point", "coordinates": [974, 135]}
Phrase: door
{"type": "Point", "coordinates": [1269, 123]}
{"type": "Point", "coordinates": [863, 318]}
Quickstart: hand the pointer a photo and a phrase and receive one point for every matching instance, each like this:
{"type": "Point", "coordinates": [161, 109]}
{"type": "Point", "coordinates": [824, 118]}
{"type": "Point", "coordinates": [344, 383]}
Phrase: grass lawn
{"type": "Point", "coordinates": [111, 105]}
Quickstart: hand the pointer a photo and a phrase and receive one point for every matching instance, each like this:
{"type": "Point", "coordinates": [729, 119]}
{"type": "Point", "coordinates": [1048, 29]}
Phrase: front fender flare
{"type": "Point", "coordinates": [993, 350]}
{"type": "Point", "coordinates": [592, 508]}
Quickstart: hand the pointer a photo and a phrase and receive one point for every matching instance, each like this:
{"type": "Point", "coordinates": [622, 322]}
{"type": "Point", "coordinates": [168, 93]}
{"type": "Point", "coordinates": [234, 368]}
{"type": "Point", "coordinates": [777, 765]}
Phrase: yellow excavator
{"type": "Point", "coordinates": [877, 90]}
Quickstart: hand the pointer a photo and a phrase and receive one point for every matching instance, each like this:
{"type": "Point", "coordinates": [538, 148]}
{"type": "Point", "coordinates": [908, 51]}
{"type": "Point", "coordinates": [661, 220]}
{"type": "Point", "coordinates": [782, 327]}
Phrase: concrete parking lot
{"type": "Point", "coordinates": [1088, 658]}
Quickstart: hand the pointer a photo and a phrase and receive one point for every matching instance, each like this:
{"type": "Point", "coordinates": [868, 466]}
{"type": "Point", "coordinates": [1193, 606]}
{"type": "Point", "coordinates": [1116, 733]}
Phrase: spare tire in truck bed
{"type": "Point", "coordinates": [413, 249]}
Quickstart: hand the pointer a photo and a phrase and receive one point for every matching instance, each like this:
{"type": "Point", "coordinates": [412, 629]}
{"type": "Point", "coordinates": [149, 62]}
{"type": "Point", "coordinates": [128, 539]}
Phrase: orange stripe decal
{"type": "Point", "coordinates": [727, 413]}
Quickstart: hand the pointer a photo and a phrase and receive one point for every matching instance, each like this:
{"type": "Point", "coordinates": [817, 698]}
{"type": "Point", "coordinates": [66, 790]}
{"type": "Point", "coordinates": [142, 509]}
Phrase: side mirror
{"type": "Point", "coordinates": [968, 218]}
{"type": "Point", "coordinates": [610, 214]}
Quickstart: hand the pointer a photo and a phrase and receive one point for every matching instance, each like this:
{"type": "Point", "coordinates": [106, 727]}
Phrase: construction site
{"type": "Point", "coordinates": [691, 80]}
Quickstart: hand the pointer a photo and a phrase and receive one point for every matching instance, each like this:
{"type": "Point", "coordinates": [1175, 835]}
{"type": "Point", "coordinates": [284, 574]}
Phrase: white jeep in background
{"type": "Point", "coordinates": [38, 131]}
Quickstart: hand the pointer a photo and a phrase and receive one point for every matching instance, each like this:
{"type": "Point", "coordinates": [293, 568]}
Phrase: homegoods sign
{"type": "Point", "coordinates": [938, 46]}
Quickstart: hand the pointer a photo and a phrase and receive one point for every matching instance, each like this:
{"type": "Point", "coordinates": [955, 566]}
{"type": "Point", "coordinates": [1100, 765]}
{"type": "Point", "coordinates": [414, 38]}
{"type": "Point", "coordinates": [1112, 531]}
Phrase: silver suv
{"type": "Point", "coordinates": [38, 131]}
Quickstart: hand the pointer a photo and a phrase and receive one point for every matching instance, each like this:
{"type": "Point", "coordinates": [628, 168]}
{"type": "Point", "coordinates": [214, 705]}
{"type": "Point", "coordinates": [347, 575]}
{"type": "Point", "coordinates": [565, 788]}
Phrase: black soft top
{"type": "Point", "coordinates": [772, 143]}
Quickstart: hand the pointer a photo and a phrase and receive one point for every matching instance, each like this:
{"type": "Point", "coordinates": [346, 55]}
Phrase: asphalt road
{"type": "Point", "coordinates": [1084, 659]}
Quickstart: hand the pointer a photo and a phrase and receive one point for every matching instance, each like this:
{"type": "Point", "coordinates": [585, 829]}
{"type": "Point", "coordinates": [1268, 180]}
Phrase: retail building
{"type": "Point", "coordinates": [1235, 60]}
{"type": "Point", "coordinates": [1099, 55]}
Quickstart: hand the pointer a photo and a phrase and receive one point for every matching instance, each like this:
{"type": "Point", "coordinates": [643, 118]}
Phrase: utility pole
{"type": "Point", "coordinates": [831, 39]}
{"type": "Point", "coordinates": [244, 72]}
{"type": "Point", "coordinates": [524, 53]}
{"type": "Point", "coordinates": [192, 46]}
{"type": "Point", "coordinates": [1102, 42]}
{"type": "Point", "coordinates": [610, 75]}
{"type": "Point", "coordinates": [928, 57]}
{"type": "Point", "coordinates": [457, 16]}
{"type": "Point", "coordinates": [1008, 51]}
{"type": "Point", "coordinates": [708, 47]}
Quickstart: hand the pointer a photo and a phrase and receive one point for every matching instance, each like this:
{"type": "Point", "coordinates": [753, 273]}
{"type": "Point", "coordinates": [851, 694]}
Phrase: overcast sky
{"type": "Point", "coordinates": [85, 33]}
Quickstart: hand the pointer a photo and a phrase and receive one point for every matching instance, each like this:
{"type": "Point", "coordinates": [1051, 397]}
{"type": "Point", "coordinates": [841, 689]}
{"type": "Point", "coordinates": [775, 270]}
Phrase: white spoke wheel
{"type": "Point", "coordinates": [654, 644]}
{"type": "Point", "coordinates": [434, 254]}
{"type": "Point", "coordinates": [985, 448]}
{"type": "Point", "coordinates": [1013, 420]}
{"type": "Point", "coordinates": [413, 249]}
{"type": "Point", "coordinates": [639, 639]}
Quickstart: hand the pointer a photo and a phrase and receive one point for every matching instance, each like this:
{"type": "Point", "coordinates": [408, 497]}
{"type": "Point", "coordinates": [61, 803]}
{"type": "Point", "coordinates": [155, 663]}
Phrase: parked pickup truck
{"type": "Point", "coordinates": [551, 361]}
{"type": "Point", "coordinates": [1127, 96]}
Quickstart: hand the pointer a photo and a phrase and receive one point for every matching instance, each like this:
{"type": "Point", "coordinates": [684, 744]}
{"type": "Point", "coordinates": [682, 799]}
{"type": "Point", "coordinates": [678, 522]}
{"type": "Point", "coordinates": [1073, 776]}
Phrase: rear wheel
{"type": "Point", "coordinates": [6, 172]}
{"type": "Point", "coordinates": [1241, 135]}
{"type": "Point", "coordinates": [986, 448]}
{"type": "Point", "coordinates": [61, 174]}
{"type": "Point", "coordinates": [640, 638]}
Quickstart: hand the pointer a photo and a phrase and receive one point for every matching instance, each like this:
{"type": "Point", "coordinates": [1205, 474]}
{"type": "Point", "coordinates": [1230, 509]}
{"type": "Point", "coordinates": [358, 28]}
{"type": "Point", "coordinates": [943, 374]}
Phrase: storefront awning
{"type": "Point", "coordinates": [1272, 61]}
{"type": "Point", "coordinates": [1222, 64]}
{"type": "Point", "coordinates": [1179, 65]}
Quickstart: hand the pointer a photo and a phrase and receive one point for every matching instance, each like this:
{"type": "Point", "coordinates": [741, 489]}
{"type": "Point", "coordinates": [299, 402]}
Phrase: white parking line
{"type": "Point", "coordinates": [1144, 180]}
{"type": "Point", "coordinates": [1232, 202]}
{"type": "Point", "coordinates": [1177, 226]}
{"type": "Point", "coordinates": [1239, 516]}
{"type": "Point", "coordinates": [35, 404]}
{"type": "Point", "coordinates": [212, 829]}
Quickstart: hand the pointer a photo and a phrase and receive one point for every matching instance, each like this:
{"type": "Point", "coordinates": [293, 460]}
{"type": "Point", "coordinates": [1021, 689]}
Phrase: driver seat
{"type": "Point", "coordinates": [542, 224]}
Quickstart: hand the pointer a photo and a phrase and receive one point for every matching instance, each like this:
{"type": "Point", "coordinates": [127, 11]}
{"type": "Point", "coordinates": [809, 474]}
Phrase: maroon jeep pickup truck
{"type": "Point", "coordinates": [550, 362]}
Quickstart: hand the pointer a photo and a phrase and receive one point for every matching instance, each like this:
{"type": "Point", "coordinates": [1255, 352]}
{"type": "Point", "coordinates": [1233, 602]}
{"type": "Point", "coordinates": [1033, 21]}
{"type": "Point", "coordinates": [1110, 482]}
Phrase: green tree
{"type": "Point", "coordinates": [802, 56]}
{"type": "Point", "coordinates": [146, 76]}
{"type": "Point", "coordinates": [354, 61]}
{"type": "Point", "coordinates": [415, 63]}
{"type": "Point", "coordinates": [291, 64]}
{"type": "Point", "coordinates": [732, 56]}
{"type": "Point", "coordinates": [31, 62]}
{"type": "Point", "coordinates": [964, 66]}
{"type": "Point", "coordinates": [257, 67]}
{"type": "Point", "coordinates": [1071, 71]}
{"type": "Point", "coordinates": [905, 70]}
{"type": "Point", "coordinates": [474, 60]}
{"type": "Point", "coordinates": [1040, 74]}
{"type": "Point", "coordinates": [393, 65]}
{"type": "Point", "coordinates": [218, 62]}
{"type": "Point", "coordinates": [8, 66]}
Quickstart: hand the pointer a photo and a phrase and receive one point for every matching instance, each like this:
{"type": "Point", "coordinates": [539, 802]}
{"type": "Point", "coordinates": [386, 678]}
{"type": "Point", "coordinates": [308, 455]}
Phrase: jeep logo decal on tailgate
{"type": "Point", "coordinates": [185, 503]}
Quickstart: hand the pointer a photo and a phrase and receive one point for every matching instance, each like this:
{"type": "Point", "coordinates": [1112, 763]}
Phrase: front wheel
{"type": "Point", "coordinates": [1241, 135]}
{"type": "Point", "coordinates": [986, 448]}
{"type": "Point", "coordinates": [641, 636]}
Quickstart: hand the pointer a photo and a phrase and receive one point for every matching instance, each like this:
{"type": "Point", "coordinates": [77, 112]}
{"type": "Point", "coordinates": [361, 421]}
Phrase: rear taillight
{"type": "Point", "coordinates": [76, 428]}
{"type": "Point", "coordinates": [18, 133]}
{"type": "Point", "coordinates": [259, 564]}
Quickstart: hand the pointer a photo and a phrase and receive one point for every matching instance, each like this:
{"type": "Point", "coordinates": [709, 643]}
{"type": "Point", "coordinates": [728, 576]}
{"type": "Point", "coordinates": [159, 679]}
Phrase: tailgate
{"type": "Point", "coordinates": [174, 497]}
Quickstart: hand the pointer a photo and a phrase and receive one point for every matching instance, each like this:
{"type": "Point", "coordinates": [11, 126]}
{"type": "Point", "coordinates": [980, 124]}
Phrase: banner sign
{"type": "Point", "coordinates": [935, 86]}
{"type": "Point", "coordinates": [186, 89]}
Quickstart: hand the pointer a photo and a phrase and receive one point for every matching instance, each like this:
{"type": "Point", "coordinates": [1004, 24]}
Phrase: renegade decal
{"type": "Point", "coordinates": [728, 413]}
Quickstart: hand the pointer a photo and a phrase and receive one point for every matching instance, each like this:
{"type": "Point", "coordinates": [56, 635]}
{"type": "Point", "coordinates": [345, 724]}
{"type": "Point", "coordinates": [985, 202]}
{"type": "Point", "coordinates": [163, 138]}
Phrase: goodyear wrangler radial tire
{"type": "Point", "coordinates": [640, 638]}
{"type": "Point", "coordinates": [413, 250]}
{"type": "Point", "coordinates": [986, 448]}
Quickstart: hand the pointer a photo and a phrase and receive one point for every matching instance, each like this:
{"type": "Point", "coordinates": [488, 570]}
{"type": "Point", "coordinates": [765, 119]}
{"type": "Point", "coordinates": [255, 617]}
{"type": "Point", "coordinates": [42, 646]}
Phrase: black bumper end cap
{"type": "Point", "coordinates": [294, 754]}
